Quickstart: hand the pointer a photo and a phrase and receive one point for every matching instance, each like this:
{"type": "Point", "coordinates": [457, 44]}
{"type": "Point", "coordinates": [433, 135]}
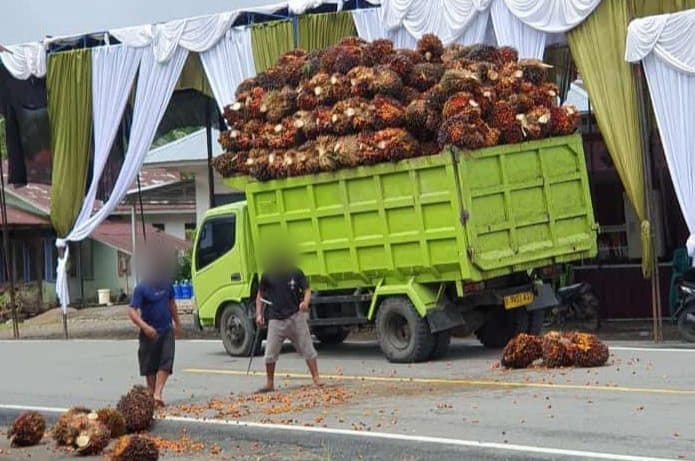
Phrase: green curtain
{"type": "Point", "coordinates": [269, 40]}
{"type": "Point", "coordinates": [69, 90]}
{"type": "Point", "coordinates": [318, 31]}
{"type": "Point", "coordinates": [610, 83]}
{"type": "Point", "coordinates": [652, 7]}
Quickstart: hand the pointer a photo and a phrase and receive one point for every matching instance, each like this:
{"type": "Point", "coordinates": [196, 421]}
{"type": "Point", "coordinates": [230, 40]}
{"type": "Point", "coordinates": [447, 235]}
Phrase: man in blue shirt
{"type": "Point", "coordinates": [153, 310]}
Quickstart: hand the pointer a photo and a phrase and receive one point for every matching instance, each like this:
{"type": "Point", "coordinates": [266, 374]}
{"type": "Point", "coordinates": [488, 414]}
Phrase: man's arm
{"type": "Point", "coordinates": [136, 318]}
{"type": "Point", "coordinates": [175, 317]}
{"type": "Point", "coordinates": [260, 319]}
{"type": "Point", "coordinates": [306, 299]}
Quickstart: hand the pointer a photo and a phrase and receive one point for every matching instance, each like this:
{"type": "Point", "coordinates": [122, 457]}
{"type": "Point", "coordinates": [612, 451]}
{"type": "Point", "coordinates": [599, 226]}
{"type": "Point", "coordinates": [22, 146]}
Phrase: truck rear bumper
{"type": "Point", "coordinates": [545, 298]}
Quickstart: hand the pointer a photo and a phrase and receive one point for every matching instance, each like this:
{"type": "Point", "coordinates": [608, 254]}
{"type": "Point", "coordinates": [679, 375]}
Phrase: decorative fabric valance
{"type": "Point", "coordinates": [23, 61]}
{"type": "Point", "coordinates": [669, 36]}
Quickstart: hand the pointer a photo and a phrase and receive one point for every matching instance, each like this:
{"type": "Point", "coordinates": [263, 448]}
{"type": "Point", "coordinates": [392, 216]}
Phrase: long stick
{"type": "Point", "coordinates": [256, 337]}
{"type": "Point", "coordinates": [8, 260]}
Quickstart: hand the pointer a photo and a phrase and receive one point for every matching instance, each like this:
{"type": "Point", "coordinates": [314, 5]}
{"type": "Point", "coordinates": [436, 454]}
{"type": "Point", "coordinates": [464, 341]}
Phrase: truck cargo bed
{"type": "Point", "coordinates": [457, 215]}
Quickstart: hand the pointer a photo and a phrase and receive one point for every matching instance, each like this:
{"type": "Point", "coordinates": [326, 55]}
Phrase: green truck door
{"type": "Point", "coordinates": [218, 244]}
{"type": "Point", "coordinates": [527, 205]}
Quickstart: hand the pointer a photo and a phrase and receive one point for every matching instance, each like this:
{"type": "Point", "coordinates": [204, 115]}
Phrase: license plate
{"type": "Point", "coordinates": [518, 300]}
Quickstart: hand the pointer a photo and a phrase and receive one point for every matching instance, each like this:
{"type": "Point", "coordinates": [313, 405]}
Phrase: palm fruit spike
{"type": "Point", "coordinates": [93, 437]}
{"type": "Point", "coordinates": [463, 130]}
{"type": "Point", "coordinates": [361, 81]}
{"type": "Point", "coordinates": [558, 351]}
{"type": "Point", "coordinates": [521, 351]}
{"type": "Point", "coordinates": [63, 432]}
{"type": "Point", "coordinates": [351, 40]}
{"type": "Point", "coordinates": [486, 97]}
{"type": "Point", "coordinates": [389, 144]}
{"type": "Point", "coordinates": [486, 72]}
{"type": "Point", "coordinates": [430, 47]}
{"type": "Point", "coordinates": [377, 52]}
{"type": "Point", "coordinates": [349, 57]}
{"type": "Point", "coordinates": [27, 429]}
{"type": "Point", "coordinates": [545, 95]}
{"type": "Point", "coordinates": [458, 103]}
{"type": "Point", "coordinates": [277, 104]}
{"type": "Point", "coordinates": [564, 120]}
{"type": "Point", "coordinates": [409, 94]}
{"type": "Point", "coordinates": [114, 420]}
{"type": "Point", "coordinates": [502, 116]}
{"type": "Point", "coordinates": [534, 70]}
{"type": "Point", "coordinates": [538, 120]}
{"type": "Point", "coordinates": [422, 121]}
{"type": "Point", "coordinates": [349, 151]}
{"type": "Point", "coordinates": [402, 64]}
{"type": "Point", "coordinates": [483, 53]}
{"type": "Point", "coordinates": [137, 407]}
{"type": "Point", "coordinates": [425, 75]}
{"type": "Point", "coordinates": [271, 79]}
{"type": "Point", "coordinates": [386, 82]}
{"type": "Point", "coordinates": [388, 112]}
{"type": "Point", "coordinates": [507, 54]}
{"type": "Point", "coordinates": [453, 52]}
{"type": "Point", "coordinates": [455, 80]}
{"type": "Point", "coordinates": [591, 352]}
{"type": "Point", "coordinates": [134, 448]}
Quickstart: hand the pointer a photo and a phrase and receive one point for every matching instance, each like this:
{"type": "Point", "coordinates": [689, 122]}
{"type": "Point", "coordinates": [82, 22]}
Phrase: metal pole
{"type": "Point", "coordinates": [8, 260]}
{"type": "Point", "coordinates": [647, 167]}
{"type": "Point", "coordinates": [142, 212]}
{"type": "Point", "coordinates": [79, 268]}
{"type": "Point", "coordinates": [134, 238]}
{"type": "Point", "coordinates": [211, 173]}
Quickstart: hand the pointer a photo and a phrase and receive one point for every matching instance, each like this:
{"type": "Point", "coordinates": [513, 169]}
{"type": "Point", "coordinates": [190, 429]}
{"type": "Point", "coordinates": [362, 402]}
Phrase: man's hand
{"type": "Point", "coordinates": [304, 306]}
{"type": "Point", "coordinates": [149, 332]}
{"type": "Point", "coordinates": [177, 330]}
{"type": "Point", "coordinates": [260, 321]}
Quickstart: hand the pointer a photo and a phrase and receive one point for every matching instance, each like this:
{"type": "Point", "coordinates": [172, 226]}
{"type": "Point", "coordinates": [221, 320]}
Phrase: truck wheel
{"type": "Point", "coordinates": [331, 335]}
{"type": "Point", "coordinates": [237, 331]}
{"type": "Point", "coordinates": [501, 325]}
{"type": "Point", "coordinates": [442, 340]}
{"type": "Point", "coordinates": [403, 335]}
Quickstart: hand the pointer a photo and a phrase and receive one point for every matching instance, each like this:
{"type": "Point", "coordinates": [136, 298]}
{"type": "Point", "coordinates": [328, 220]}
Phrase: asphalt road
{"type": "Point", "coordinates": [640, 406]}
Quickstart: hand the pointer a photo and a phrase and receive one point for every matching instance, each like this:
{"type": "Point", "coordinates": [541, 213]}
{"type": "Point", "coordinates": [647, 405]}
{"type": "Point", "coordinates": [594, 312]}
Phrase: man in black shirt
{"type": "Point", "coordinates": [285, 294]}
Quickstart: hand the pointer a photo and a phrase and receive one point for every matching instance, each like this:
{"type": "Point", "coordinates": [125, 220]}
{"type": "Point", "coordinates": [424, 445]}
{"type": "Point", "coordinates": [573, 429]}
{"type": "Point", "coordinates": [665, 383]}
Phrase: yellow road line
{"type": "Point", "coordinates": [461, 382]}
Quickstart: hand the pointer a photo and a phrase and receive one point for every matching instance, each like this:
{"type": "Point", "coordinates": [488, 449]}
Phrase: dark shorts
{"type": "Point", "coordinates": [156, 354]}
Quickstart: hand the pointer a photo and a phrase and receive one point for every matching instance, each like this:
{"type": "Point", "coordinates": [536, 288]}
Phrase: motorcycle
{"type": "Point", "coordinates": [685, 312]}
{"type": "Point", "coordinates": [578, 308]}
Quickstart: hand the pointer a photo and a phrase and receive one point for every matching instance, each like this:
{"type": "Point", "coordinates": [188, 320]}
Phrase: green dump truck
{"type": "Point", "coordinates": [423, 249]}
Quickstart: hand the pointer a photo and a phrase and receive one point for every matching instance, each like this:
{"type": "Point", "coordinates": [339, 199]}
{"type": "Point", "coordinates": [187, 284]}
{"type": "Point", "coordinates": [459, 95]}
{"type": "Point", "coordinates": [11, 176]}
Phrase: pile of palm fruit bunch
{"type": "Point", "coordinates": [360, 103]}
{"type": "Point", "coordinates": [555, 349]}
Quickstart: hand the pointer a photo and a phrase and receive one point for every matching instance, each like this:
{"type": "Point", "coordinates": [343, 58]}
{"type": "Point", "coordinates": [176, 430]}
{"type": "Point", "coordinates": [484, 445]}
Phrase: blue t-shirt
{"type": "Point", "coordinates": [153, 302]}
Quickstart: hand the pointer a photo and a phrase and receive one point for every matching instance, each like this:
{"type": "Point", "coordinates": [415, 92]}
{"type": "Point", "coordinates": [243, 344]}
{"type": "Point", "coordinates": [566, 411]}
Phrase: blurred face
{"type": "Point", "coordinates": [156, 265]}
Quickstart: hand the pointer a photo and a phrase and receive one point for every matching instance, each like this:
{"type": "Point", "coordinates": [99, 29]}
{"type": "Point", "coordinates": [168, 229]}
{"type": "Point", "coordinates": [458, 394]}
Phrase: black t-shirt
{"type": "Point", "coordinates": [282, 292]}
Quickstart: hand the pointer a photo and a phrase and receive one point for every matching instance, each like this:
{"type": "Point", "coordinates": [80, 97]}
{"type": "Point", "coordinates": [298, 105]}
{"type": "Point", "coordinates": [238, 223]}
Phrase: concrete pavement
{"type": "Point", "coordinates": [637, 406]}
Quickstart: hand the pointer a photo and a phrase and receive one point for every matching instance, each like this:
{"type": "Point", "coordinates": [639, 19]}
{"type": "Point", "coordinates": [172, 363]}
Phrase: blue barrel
{"type": "Point", "coordinates": [186, 290]}
{"type": "Point", "coordinates": [178, 291]}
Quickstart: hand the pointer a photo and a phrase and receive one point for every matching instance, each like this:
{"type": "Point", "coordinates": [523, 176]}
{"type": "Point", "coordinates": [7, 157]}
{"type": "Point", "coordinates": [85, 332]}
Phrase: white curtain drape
{"type": "Point", "coordinates": [25, 60]}
{"type": "Point", "coordinates": [664, 45]}
{"type": "Point", "coordinates": [552, 15]}
{"type": "Point", "coordinates": [512, 31]}
{"type": "Point", "coordinates": [370, 27]}
{"type": "Point", "coordinates": [448, 19]}
{"type": "Point", "coordinates": [155, 85]}
{"type": "Point", "coordinates": [228, 63]}
{"type": "Point", "coordinates": [113, 73]}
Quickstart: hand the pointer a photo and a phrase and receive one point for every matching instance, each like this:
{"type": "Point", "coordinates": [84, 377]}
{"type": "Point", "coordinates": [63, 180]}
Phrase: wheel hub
{"type": "Point", "coordinates": [399, 331]}
{"type": "Point", "coordinates": [235, 330]}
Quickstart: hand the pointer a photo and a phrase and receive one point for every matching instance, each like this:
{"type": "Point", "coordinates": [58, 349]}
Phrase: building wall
{"type": "Point", "coordinates": [174, 223]}
{"type": "Point", "coordinates": [202, 193]}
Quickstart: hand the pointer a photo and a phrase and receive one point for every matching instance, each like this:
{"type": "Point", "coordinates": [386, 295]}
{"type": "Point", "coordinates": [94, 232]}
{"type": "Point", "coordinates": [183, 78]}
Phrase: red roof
{"type": "Point", "coordinates": [19, 217]}
{"type": "Point", "coordinates": [118, 234]}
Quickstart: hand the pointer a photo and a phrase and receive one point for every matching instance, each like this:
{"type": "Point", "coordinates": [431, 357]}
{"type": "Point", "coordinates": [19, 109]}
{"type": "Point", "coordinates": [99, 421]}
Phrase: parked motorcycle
{"type": "Point", "coordinates": [578, 308]}
{"type": "Point", "coordinates": [685, 313]}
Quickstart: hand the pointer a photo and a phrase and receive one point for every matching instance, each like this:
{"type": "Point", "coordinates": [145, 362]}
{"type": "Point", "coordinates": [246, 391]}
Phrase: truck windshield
{"type": "Point", "coordinates": [217, 237]}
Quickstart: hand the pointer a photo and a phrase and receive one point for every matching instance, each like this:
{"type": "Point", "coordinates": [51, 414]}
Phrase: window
{"type": "Point", "coordinates": [50, 260]}
{"type": "Point", "coordinates": [81, 260]}
{"type": "Point", "coordinates": [158, 226]}
{"type": "Point", "coordinates": [217, 237]}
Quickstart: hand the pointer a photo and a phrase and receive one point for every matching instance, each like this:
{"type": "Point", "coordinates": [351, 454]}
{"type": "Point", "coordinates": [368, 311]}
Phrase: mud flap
{"type": "Point", "coordinates": [545, 298]}
{"type": "Point", "coordinates": [445, 318]}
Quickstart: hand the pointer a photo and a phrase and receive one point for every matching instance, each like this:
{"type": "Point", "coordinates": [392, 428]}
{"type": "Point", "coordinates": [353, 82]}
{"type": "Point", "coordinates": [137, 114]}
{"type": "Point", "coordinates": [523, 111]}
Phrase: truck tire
{"type": "Point", "coordinates": [442, 340]}
{"type": "Point", "coordinates": [331, 335]}
{"type": "Point", "coordinates": [237, 330]}
{"type": "Point", "coordinates": [501, 325]}
{"type": "Point", "coordinates": [403, 335]}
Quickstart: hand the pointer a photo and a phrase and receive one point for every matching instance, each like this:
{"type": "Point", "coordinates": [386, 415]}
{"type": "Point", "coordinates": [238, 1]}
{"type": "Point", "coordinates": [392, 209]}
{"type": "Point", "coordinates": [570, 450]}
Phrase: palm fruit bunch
{"type": "Point", "coordinates": [66, 429]}
{"type": "Point", "coordinates": [113, 420]}
{"type": "Point", "coordinates": [389, 144]}
{"type": "Point", "coordinates": [134, 448]}
{"type": "Point", "coordinates": [558, 350]}
{"type": "Point", "coordinates": [360, 103]}
{"type": "Point", "coordinates": [521, 351]}
{"type": "Point", "coordinates": [137, 407]}
{"type": "Point", "coordinates": [93, 436]}
{"type": "Point", "coordinates": [27, 429]}
{"type": "Point", "coordinates": [590, 351]}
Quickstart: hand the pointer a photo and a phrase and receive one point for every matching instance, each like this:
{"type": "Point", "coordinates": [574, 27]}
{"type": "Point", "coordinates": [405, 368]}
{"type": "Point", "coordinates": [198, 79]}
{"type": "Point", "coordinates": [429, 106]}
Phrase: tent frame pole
{"type": "Point", "coordinates": [8, 260]}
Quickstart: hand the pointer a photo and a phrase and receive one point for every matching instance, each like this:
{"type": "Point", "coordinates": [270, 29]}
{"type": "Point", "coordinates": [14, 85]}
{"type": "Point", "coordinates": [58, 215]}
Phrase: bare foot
{"type": "Point", "coordinates": [318, 383]}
